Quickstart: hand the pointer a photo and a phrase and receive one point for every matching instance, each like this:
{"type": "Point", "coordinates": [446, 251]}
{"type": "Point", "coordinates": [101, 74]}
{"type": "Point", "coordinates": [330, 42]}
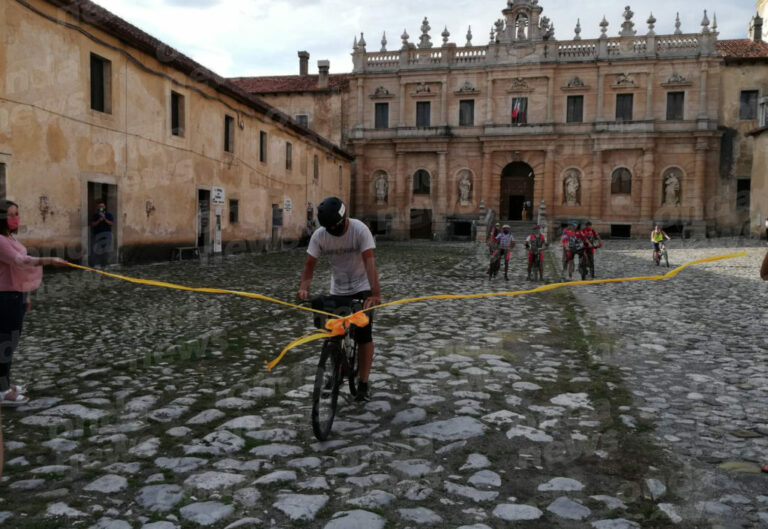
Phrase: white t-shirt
{"type": "Point", "coordinates": [346, 256]}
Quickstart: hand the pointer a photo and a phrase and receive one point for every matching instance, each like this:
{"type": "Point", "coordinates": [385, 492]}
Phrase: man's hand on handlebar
{"type": "Point", "coordinates": [302, 294]}
{"type": "Point", "coordinates": [372, 301]}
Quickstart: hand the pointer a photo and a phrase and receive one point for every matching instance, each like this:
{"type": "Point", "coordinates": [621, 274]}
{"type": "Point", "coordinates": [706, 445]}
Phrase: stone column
{"type": "Point", "coordinates": [401, 116]}
{"type": "Point", "coordinates": [600, 83]}
{"type": "Point", "coordinates": [703, 114]}
{"type": "Point", "coordinates": [401, 217]}
{"type": "Point", "coordinates": [647, 207]}
{"type": "Point", "coordinates": [550, 95]}
{"type": "Point", "coordinates": [550, 182]}
{"type": "Point", "coordinates": [649, 97]}
{"type": "Point", "coordinates": [360, 101]}
{"type": "Point", "coordinates": [486, 179]}
{"type": "Point", "coordinates": [444, 103]}
{"type": "Point", "coordinates": [597, 206]}
{"type": "Point", "coordinates": [489, 101]}
{"type": "Point", "coordinates": [699, 179]}
{"type": "Point", "coordinates": [442, 193]}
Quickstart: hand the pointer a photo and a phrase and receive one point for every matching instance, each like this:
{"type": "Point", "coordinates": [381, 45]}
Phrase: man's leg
{"type": "Point", "coordinates": [365, 357]}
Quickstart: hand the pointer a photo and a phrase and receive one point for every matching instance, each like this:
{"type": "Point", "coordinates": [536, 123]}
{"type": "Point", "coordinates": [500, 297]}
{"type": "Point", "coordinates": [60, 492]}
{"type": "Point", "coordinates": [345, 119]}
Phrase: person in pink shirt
{"type": "Point", "coordinates": [19, 275]}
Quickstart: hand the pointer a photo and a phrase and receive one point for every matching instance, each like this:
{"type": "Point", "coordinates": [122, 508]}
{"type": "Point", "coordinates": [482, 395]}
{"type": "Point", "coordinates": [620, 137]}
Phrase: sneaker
{"type": "Point", "coordinates": [363, 392]}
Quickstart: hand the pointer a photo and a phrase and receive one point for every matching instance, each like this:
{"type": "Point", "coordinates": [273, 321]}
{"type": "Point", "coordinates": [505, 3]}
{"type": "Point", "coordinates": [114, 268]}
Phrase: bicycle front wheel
{"type": "Point", "coordinates": [666, 258]}
{"type": "Point", "coordinates": [352, 369]}
{"type": "Point", "coordinates": [325, 395]}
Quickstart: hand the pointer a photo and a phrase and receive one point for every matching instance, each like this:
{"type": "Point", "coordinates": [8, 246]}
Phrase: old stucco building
{"type": "Point", "coordinates": [623, 130]}
{"type": "Point", "coordinates": [92, 108]}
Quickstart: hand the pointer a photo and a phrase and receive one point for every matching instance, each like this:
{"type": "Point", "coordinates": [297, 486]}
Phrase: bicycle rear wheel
{"type": "Point", "coordinates": [325, 395]}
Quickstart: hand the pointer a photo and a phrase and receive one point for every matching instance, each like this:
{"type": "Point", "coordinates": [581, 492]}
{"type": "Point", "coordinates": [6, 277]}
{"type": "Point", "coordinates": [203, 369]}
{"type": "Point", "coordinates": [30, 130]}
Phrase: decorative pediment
{"type": "Point", "coordinates": [575, 83]}
{"type": "Point", "coordinates": [467, 89]}
{"type": "Point", "coordinates": [624, 80]}
{"type": "Point", "coordinates": [519, 85]}
{"type": "Point", "coordinates": [424, 90]}
{"type": "Point", "coordinates": [381, 93]}
{"type": "Point", "coordinates": [677, 79]}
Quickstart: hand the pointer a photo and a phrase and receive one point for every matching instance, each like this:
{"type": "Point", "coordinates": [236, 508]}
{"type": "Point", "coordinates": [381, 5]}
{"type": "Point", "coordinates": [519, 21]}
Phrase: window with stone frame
{"type": "Point", "coordinates": [288, 156]}
{"type": "Point", "coordinates": [263, 146]}
{"type": "Point", "coordinates": [229, 134]}
{"type": "Point", "coordinates": [743, 192]}
{"type": "Point", "coordinates": [303, 120]}
{"type": "Point", "coordinates": [467, 113]}
{"type": "Point", "coordinates": [177, 114]}
{"type": "Point", "coordinates": [621, 182]}
{"type": "Point", "coordinates": [234, 211]}
{"type": "Point", "coordinates": [101, 84]}
{"type": "Point", "coordinates": [423, 114]}
{"type": "Point", "coordinates": [519, 110]}
{"type": "Point", "coordinates": [624, 103]}
{"type": "Point", "coordinates": [381, 116]}
{"type": "Point", "coordinates": [421, 182]}
{"type": "Point", "coordinates": [574, 109]}
{"type": "Point", "coordinates": [675, 106]}
{"type": "Point", "coordinates": [748, 104]}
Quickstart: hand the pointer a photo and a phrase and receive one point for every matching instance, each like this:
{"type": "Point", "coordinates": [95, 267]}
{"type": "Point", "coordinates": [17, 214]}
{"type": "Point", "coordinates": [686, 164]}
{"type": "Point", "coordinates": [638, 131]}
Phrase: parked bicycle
{"type": "Point", "coordinates": [661, 255]}
{"type": "Point", "coordinates": [338, 360]}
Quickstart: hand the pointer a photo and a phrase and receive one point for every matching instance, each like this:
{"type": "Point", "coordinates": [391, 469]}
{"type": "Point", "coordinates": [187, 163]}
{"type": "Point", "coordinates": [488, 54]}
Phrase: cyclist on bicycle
{"type": "Point", "coordinates": [572, 241]}
{"type": "Point", "coordinates": [593, 242]}
{"type": "Point", "coordinates": [506, 242]}
{"type": "Point", "coordinates": [349, 245]}
{"type": "Point", "coordinates": [657, 237]}
{"type": "Point", "coordinates": [535, 243]}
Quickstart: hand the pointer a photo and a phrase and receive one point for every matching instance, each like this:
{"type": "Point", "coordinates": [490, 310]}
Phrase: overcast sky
{"type": "Point", "coordinates": [261, 37]}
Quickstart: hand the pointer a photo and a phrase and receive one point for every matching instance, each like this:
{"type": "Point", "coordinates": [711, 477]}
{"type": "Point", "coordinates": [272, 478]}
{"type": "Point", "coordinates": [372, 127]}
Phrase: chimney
{"type": "Point", "coordinates": [303, 63]}
{"type": "Point", "coordinates": [756, 28]}
{"type": "Point", "coordinates": [322, 79]}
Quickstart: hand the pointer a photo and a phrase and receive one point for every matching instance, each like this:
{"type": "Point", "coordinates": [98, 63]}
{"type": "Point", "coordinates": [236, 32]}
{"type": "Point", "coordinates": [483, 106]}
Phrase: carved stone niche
{"type": "Point", "coordinates": [381, 93]}
{"type": "Point", "coordinates": [424, 90]}
{"type": "Point", "coordinates": [677, 79]}
{"type": "Point", "coordinates": [575, 83]}
{"type": "Point", "coordinates": [624, 81]}
{"type": "Point", "coordinates": [466, 89]}
{"type": "Point", "coordinates": [519, 85]}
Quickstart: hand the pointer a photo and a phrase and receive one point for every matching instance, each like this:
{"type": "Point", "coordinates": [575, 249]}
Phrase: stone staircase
{"type": "Point", "coordinates": [520, 228]}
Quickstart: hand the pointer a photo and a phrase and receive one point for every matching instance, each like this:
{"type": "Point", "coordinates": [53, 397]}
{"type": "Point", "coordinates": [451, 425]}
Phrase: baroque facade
{"type": "Point", "coordinates": [92, 108]}
{"type": "Point", "coordinates": [621, 130]}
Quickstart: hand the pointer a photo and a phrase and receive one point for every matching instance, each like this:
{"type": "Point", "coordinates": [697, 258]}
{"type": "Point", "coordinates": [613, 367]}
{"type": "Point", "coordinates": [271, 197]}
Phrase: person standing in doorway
{"type": "Point", "coordinates": [20, 274]}
{"type": "Point", "coordinates": [101, 236]}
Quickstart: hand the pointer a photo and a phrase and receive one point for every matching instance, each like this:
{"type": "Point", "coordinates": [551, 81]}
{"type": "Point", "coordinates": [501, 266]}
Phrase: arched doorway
{"type": "Point", "coordinates": [516, 191]}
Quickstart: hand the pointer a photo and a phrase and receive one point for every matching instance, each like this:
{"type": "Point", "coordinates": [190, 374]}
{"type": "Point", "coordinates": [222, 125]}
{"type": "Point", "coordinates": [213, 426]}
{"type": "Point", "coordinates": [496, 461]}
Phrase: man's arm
{"type": "Point", "coordinates": [96, 222]}
{"type": "Point", "coordinates": [373, 279]}
{"type": "Point", "coordinates": [764, 268]}
{"type": "Point", "coordinates": [306, 277]}
{"type": "Point", "coordinates": [110, 222]}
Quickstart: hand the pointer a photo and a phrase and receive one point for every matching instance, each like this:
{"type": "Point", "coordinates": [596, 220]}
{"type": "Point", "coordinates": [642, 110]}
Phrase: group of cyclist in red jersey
{"type": "Point", "coordinates": [575, 241]}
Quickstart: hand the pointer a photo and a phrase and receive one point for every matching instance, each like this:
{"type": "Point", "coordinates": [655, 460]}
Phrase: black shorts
{"type": "Point", "coordinates": [344, 306]}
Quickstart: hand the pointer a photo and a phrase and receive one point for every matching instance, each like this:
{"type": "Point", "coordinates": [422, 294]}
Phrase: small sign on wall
{"type": "Point", "coordinates": [287, 205]}
{"type": "Point", "coordinates": [218, 196]}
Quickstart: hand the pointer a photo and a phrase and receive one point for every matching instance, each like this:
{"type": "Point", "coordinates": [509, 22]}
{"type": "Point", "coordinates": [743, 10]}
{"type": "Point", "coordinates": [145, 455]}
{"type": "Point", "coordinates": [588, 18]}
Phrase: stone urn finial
{"type": "Point", "coordinates": [469, 36]}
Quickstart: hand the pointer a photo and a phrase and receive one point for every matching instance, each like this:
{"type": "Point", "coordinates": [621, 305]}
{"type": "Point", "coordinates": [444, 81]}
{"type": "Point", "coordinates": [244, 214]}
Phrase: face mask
{"type": "Point", "coordinates": [13, 222]}
{"type": "Point", "coordinates": [506, 232]}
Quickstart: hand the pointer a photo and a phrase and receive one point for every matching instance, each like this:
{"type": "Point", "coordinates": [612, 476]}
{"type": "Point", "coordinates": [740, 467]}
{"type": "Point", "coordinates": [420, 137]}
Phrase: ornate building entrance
{"type": "Point", "coordinates": [516, 191]}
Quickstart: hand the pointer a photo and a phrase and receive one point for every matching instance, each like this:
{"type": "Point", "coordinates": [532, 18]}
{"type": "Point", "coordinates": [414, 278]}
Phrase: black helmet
{"type": "Point", "coordinates": [331, 213]}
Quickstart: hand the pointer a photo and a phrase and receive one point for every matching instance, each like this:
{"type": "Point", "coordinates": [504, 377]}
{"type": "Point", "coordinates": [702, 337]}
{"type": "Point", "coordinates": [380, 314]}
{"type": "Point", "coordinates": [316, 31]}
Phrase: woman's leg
{"type": "Point", "coordinates": [11, 320]}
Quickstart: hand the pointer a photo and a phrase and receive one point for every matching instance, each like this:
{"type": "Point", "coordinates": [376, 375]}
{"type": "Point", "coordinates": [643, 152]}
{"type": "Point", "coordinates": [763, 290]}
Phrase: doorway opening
{"type": "Point", "coordinates": [421, 224]}
{"type": "Point", "coordinates": [203, 220]}
{"type": "Point", "coordinates": [102, 240]}
{"type": "Point", "coordinates": [516, 192]}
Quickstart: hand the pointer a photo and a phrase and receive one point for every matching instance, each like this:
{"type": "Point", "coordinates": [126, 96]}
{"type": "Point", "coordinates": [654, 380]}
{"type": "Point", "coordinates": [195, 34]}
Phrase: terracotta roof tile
{"type": "Point", "coordinates": [290, 83]}
{"type": "Point", "coordinates": [742, 49]}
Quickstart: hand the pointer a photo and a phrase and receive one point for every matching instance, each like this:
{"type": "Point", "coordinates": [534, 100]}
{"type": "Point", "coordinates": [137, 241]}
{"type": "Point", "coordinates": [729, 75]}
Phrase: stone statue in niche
{"type": "Point", "coordinates": [465, 188]}
{"type": "Point", "coordinates": [382, 188]}
{"type": "Point", "coordinates": [672, 188]}
{"type": "Point", "coordinates": [571, 188]}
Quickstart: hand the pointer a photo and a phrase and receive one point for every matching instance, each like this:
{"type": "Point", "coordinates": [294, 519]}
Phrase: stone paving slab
{"type": "Point", "coordinates": [611, 406]}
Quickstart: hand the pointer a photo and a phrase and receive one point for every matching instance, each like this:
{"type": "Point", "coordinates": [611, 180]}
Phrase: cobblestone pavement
{"type": "Point", "coordinates": [611, 406]}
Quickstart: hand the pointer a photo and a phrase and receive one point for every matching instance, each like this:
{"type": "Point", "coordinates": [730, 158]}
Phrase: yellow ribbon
{"type": "Point", "coordinates": [337, 326]}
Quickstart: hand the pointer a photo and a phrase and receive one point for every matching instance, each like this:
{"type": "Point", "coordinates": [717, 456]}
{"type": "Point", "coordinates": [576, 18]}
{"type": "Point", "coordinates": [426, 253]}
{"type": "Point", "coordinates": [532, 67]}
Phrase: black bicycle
{"type": "Point", "coordinates": [495, 264]}
{"type": "Point", "coordinates": [661, 255]}
{"type": "Point", "coordinates": [338, 360]}
{"type": "Point", "coordinates": [583, 262]}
